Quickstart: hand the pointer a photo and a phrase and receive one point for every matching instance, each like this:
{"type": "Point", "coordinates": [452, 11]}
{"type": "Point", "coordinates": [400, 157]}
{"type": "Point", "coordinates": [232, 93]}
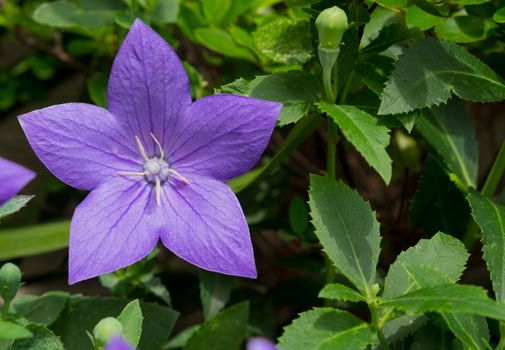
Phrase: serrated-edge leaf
{"type": "Point", "coordinates": [491, 219]}
{"type": "Point", "coordinates": [365, 133]}
{"type": "Point", "coordinates": [14, 205]}
{"type": "Point", "coordinates": [449, 298]}
{"type": "Point", "coordinates": [337, 291]}
{"type": "Point", "coordinates": [347, 229]}
{"type": "Point", "coordinates": [470, 329]}
{"type": "Point", "coordinates": [131, 318]}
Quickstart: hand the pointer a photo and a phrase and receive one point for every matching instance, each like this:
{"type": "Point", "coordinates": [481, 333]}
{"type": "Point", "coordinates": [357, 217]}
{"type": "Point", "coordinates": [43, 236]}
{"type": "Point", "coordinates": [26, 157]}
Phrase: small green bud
{"type": "Point", "coordinates": [10, 281]}
{"type": "Point", "coordinates": [375, 289]}
{"type": "Point", "coordinates": [331, 25]}
{"type": "Point", "coordinates": [105, 330]}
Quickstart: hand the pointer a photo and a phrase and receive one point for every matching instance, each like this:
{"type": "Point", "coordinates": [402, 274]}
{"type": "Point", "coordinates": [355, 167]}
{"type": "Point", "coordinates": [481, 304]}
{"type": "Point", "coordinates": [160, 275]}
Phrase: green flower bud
{"type": "Point", "coordinates": [105, 330]}
{"type": "Point", "coordinates": [331, 25]}
{"type": "Point", "coordinates": [10, 280]}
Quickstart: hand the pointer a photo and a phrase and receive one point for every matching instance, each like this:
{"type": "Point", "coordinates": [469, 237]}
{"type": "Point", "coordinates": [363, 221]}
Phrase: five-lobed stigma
{"type": "Point", "coordinates": [156, 169]}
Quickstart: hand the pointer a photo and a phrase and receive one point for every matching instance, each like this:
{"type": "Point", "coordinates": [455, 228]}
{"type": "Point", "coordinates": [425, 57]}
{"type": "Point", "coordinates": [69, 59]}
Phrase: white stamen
{"type": "Point", "coordinates": [162, 153]}
{"type": "Point", "coordinates": [158, 191]}
{"type": "Point", "coordinates": [141, 148]}
{"type": "Point", "coordinates": [131, 173]}
{"type": "Point", "coordinates": [185, 180]}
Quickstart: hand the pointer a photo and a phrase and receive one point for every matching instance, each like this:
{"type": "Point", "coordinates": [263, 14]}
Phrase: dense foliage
{"type": "Point", "coordinates": [376, 213]}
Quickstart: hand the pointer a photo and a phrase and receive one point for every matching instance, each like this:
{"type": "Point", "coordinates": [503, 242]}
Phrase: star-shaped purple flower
{"type": "Point", "coordinates": [13, 177]}
{"type": "Point", "coordinates": [156, 164]}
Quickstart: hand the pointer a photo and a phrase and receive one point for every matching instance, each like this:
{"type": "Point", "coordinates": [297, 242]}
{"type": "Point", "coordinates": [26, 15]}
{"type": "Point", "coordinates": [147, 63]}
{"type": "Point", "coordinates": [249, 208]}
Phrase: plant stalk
{"type": "Point", "coordinates": [5, 309]}
{"type": "Point", "coordinates": [376, 325]}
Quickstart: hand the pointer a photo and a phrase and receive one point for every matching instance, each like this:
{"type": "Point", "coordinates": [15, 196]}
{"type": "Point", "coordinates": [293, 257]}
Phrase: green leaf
{"type": "Point", "coordinates": [442, 256]}
{"type": "Point", "coordinates": [32, 240]}
{"type": "Point", "coordinates": [215, 290]}
{"type": "Point", "coordinates": [285, 40]}
{"type": "Point", "coordinates": [337, 291]}
{"type": "Point", "coordinates": [347, 229]}
{"type": "Point", "coordinates": [215, 10]}
{"type": "Point", "coordinates": [388, 36]}
{"type": "Point", "coordinates": [97, 90]}
{"type": "Point", "coordinates": [165, 11]}
{"type": "Point", "coordinates": [65, 14]}
{"type": "Point", "coordinates": [325, 329]}
{"type": "Point", "coordinates": [374, 72]}
{"type": "Point", "coordinates": [10, 331]}
{"type": "Point", "coordinates": [14, 205]}
{"type": "Point", "coordinates": [298, 215]}
{"type": "Point", "coordinates": [402, 327]}
{"type": "Point", "coordinates": [465, 29]}
{"type": "Point", "coordinates": [43, 339]}
{"type": "Point", "coordinates": [83, 313]}
{"type": "Point", "coordinates": [295, 90]}
{"type": "Point", "coordinates": [301, 2]}
{"type": "Point", "coordinates": [449, 131]}
{"type": "Point", "coordinates": [438, 204]}
{"type": "Point", "coordinates": [226, 330]}
{"type": "Point", "coordinates": [451, 298]}
{"type": "Point", "coordinates": [131, 318]}
{"type": "Point", "coordinates": [43, 309]}
{"type": "Point", "coordinates": [499, 15]}
{"type": "Point", "coordinates": [415, 17]}
{"type": "Point", "coordinates": [472, 330]}
{"type": "Point", "coordinates": [491, 219]}
{"type": "Point", "coordinates": [430, 70]}
{"type": "Point", "coordinates": [182, 338]}
{"type": "Point", "coordinates": [365, 133]}
{"type": "Point", "coordinates": [221, 42]}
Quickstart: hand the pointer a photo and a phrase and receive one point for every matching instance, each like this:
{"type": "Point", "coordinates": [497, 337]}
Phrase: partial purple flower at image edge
{"type": "Point", "coordinates": [13, 177]}
{"type": "Point", "coordinates": [118, 343]}
{"type": "Point", "coordinates": [156, 164]}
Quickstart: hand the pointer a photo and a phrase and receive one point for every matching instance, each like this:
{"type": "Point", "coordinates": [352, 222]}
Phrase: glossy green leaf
{"type": "Point", "coordinates": [491, 219]}
{"type": "Point", "coordinates": [325, 329]}
{"type": "Point", "coordinates": [449, 131]}
{"type": "Point", "coordinates": [83, 313]}
{"type": "Point", "coordinates": [365, 133]}
{"type": "Point", "coordinates": [165, 11]}
{"type": "Point", "coordinates": [44, 309]}
{"type": "Point", "coordinates": [347, 229]}
{"type": "Point", "coordinates": [285, 40]}
{"type": "Point", "coordinates": [43, 339]}
{"type": "Point", "coordinates": [226, 330]}
{"type": "Point", "coordinates": [451, 298]}
{"type": "Point", "coordinates": [32, 240]}
{"type": "Point", "coordinates": [415, 17]}
{"type": "Point", "coordinates": [499, 15]}
{"type": "Point", "coordinates": [465, 29]}
{"type": "Point", "coordinates": [215, 291]}
{"type": "Point", "coordinates": [10, 331]}
{"type": "Point", "coordinates": [337, 291]}
{"type": "Point", "coordinates": [131, 318]}
{"type": "Point", "coordinates": [221, 42]}
{"type": "Point", "coordinates": [14, 205]}
{"type": "Point", "coordinates": [430, 70]}
{"type": "Point", "coordinates": [438, 204]}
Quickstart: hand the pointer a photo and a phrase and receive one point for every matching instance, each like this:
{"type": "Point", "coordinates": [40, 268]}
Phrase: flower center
{"type": "Point", "coordinates": [156, 169]}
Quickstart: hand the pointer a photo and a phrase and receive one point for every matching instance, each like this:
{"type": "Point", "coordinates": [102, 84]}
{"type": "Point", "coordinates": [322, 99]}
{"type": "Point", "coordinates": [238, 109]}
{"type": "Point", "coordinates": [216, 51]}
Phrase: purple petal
{"type": "Point", "coordinates": [222, 136]}
{"type": "Point", "coordinates": [148, 86]}
{"type": "Point", "coordinates": [118, 343]}
{"type": "Point", "coordinates": [206, 226]}
{"type": "Point", "coordinates": [13, 178]}
{"type": "Point", "coordinates": [260, 344]}
{"type": "Point", "coordinates": [114, 227]}
{"type": "Point", "coordinates": [79, 143]}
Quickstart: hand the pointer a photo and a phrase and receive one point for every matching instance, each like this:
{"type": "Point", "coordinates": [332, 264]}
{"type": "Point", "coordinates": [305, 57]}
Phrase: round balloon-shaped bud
{"type": "Point", "coordinates": [10, 280]}
{"type": "Point", "coordinates": [105, 330]}
{"type": "Point", "coordinates": [331, 25]}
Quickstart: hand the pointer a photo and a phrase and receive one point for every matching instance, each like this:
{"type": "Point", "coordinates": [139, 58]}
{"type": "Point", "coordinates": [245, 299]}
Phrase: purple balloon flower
{"type": "Point", "coordinates": [118, 343]}
{"type": "Point", "coordinates": [156, 164]}
{"type": "Point", "coordinates": [259, 343]}
{"type": "Point", "coordinates": [13, 178]}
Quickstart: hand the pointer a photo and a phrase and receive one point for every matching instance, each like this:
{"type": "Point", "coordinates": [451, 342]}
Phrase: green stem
{"type": "Point", "coordinates": [5, 309]}
{"type": "Point", "coordinates": [488, 190]}
{"type": "Point", "coordinates": [501, 344]}
{"type": "Point", "coordinates": [377, 326]}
